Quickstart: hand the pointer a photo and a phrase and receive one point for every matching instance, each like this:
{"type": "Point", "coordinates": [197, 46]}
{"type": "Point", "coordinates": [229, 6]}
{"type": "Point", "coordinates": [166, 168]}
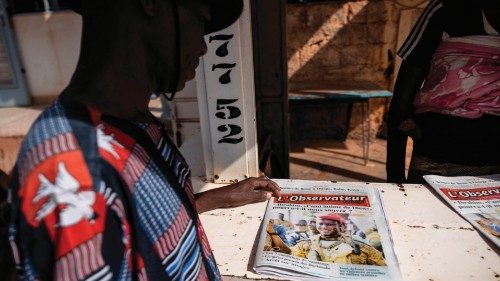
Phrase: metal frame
{"type": "Point", "coordinates": [312, 91]}
{"type": "Point", "coordinates": [17, 94]}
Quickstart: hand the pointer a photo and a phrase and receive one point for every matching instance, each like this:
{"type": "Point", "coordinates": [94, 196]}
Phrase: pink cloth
{"type": "Point", "coordinates": [464, 78]}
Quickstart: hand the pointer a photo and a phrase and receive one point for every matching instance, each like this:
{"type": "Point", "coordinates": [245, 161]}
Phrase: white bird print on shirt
{"type": "Point", "coordinates": [106, 142]}
{"type": "Point", "coordinates": [64, 191]}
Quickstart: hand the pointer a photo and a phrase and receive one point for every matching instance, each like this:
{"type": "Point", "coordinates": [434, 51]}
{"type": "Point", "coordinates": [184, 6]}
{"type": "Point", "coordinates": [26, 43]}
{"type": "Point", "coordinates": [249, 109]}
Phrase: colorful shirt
{"type": "Point", "coordinates": [464, 78]}
{"type": "Point", "coordinates": [139, 222]}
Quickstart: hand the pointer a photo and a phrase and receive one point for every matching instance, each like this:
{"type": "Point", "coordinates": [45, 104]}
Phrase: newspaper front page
{"type": "Point", "coordinates": [477, 199]}
{"type": "Point", "coordinates": [321, 230]}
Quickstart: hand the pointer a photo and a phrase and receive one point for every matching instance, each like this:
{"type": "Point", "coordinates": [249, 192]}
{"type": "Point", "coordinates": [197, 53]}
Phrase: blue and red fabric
{"type": "Point", "coordinates": [138, 223]}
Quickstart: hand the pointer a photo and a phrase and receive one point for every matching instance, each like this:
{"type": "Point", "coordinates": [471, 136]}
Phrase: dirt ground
{"type": "Point", "coordinates": [339, 161]}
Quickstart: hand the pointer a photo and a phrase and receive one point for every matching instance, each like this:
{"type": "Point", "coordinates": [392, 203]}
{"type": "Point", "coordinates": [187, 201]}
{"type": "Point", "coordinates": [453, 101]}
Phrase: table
{"type": "Point", "coordinates": [355, 91]}
{"type": "Point", "coordinates": [431, 241]}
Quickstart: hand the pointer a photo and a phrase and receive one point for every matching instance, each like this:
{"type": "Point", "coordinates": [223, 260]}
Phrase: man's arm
{"type": "Point", "coordinates": [416, 52]}
{"type": "Point", "coordinates": [251, 190]}
{"type": "Point", "coordinates": [408, 82]}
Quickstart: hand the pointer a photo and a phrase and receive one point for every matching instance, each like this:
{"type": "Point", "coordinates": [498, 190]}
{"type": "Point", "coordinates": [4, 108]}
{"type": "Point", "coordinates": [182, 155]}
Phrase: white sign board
{"type": "Point", "coordinates": [226, 99]}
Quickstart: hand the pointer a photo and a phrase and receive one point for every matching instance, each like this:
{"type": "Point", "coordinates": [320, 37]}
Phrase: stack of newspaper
{"type": "Point", "coordinates": [477, 199]}
{"type": "Point", "coordinates": [321, 230]}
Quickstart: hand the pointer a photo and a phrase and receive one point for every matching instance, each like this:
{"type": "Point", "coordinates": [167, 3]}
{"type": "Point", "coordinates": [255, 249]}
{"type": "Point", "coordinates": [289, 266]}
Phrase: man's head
{"type": "Point", "coordinates": [223, 12]}
{"type": "Point", "coordinates": [311, 225]}
{"type": "Point", "coordinates": [301, 225]}
{"type": "Point", "coordinates": [330, 225]}
{"type": "Point", "coordinates": [281, 216]}
{"type": "Point", "coordinates": [158, 41]}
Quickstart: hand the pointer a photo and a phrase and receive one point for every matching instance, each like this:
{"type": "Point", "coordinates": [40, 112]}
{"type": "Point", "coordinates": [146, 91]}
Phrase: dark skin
{"type": "Point", "coordinates": [328, 228]}
{"type": "Point", "coordinates": [127, 56]}
{"type": "Point", "coordinates": [409, 80]}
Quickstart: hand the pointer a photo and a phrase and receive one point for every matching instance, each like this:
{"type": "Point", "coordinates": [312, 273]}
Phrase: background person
{"type": "Point", "coordinates": [299, 233]}
{"type": "Point", "coordinates": [283, 222]}
{"type": "Point", "coordinates": [453, 118]}
{"type": "Point", "coordinates": [276, 239]}
{"type": "Point", "coordinates": [311, 227]}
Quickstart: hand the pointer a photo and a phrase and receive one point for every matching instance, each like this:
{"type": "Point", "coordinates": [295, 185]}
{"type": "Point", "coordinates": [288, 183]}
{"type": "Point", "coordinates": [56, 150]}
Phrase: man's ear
{"type": "Point", "coordinates": [148, 6]}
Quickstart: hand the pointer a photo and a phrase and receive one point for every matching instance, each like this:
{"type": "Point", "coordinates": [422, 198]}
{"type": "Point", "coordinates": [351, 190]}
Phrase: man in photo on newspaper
{"type": "Point", "coordinates": [283, 222]}
{"type": "Point", "coordinates": [300, 233]}
{"type": "Point", "coordinates": [311, 226]}
{"type": "Point", "coordinates": [336, 244]}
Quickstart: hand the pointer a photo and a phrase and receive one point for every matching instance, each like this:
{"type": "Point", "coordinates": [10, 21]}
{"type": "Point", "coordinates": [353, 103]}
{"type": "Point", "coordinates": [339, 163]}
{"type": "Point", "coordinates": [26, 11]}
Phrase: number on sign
{"type": "Point", "coordinates": [222, 49]}
{"type": "Point", "coordinates": [233, 130]}
{"type": "Point", "coordinates": [224, 78]}
{"type": "Point", "coordinates": [223, 104]}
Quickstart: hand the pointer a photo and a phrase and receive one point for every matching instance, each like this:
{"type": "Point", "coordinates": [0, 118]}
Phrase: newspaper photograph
{"type": "Point", "coordinates": [477, 199]}
{"type": "Point", "coordinates": [326, 231]}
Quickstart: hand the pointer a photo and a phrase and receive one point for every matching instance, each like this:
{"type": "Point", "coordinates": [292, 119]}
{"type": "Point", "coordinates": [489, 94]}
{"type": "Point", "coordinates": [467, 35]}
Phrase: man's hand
{"type": "Point", "coordinates": [251, 190]}
{"type": "Point", "coordinates": [411, 129]}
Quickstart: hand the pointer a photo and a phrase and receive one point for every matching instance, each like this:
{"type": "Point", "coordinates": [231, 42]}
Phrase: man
{"type": "Point", "coordinates": [276, 238]}
{"type": "Point", "coordinates": [302, 239]}
{"type": "Point", "coordinates": [311, 226]}
{"type": "Point", "coordinates": [283, 222]}
{"type": "Point", "coordinates": [446, 94]}
{"type": "Point", "coordinates": [301, 227]}
{"type": "Point", "coordinates": [99, 191]}
{"type": "Point", "coordinates": [333, 244]}
{"type": "Point", "coordinates": [299, 233]}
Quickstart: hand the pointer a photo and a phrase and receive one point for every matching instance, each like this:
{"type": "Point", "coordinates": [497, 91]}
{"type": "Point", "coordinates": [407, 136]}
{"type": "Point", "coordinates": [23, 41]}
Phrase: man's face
{"type": "Point", "coordinates": [281, 216]}
{"type": "Point", "coordinates": [312, 226]}
{"type": "Point", "coordinates": [193, 15]}
{"type": "Point", "coordinates": [328, 228]}
{"type": "Point", "coordinates": [301, 226]}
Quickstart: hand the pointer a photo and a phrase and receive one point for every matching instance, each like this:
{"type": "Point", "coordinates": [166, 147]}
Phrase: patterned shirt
{"type": "Point", "coordinates": [442, 19]}
{"type": "Point", "coordinates": [138, 223]}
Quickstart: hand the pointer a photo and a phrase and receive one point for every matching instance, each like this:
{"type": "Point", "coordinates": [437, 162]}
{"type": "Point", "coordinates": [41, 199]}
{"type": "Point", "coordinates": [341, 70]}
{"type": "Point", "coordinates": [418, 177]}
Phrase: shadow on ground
{"type": "Point", "coordinates": [338, 160]}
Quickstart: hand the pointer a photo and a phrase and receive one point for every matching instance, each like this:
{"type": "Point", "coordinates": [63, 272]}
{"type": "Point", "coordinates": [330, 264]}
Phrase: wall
{"type": "Point", "coordinates": [346, 41]}
{"type": "Point", "coordinates": [49, 45]}
{"type": "Point", "coordinates": [6, 73]}
{"type": "Point", "coordinates": [187, 128]}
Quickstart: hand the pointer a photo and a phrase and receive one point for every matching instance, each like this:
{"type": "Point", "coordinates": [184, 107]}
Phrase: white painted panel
{"type": "Point", "coordinates": [186, 109]}
{"type": "Point", "coordinates": [49, 44]}
{"type": "Point", "coordinates": [188, 129]}
{"type": "Point", "coordinates": [193, 147]}
{"type": "Point", "coordinates": [189, 91]}
{"type": "Point", "coordinates": [204, 122]}
{"type": "Point", "coordinates": [185, 121]}
{"type": "Point", "coordinates": [228, 102]}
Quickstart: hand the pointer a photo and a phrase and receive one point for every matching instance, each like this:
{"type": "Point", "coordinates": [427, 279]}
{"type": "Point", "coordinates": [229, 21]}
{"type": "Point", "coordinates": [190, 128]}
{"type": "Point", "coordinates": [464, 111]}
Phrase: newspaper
{"type": "Point", "coordinates": [477, 199]}
{"type": "Point", "coordinates": [320, 230]}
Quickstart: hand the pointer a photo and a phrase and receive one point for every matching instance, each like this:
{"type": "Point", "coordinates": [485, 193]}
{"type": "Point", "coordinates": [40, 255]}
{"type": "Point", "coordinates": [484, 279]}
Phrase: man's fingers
{"type": "Point", "coordinates": [264, 183]}
{"type": "Point", "coordinates": [260, 195]}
